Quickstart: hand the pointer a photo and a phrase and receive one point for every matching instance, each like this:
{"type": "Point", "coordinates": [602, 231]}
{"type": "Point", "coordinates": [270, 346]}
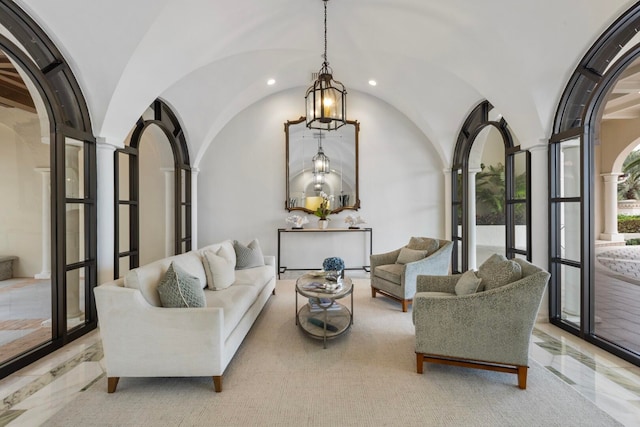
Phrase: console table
{"type": "Point", "coordinates": [365, 231]}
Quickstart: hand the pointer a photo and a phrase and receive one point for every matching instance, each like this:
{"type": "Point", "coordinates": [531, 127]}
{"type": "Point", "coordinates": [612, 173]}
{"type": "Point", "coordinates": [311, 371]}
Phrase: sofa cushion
{"type": "Point", "coordinates": [468, 283]}
{"type": "Point", "coordinates": [248, 256]}
{"type": "Point", "coordinates": [234, 301]}
{"type": "Point", "coordinates": [424, 244]}
{"type": "Point", "coordinates": [179, 289]}
{"type": "Point", "coordinates": [498, 271]}
{"type": "Point", "coordinates": [147, 277]}
{"type": "Point", "coordinates": [390, 272]}
{"type": "Point", "coordinates": [219, 268]}
{"type": "Point", "coordinates": [410, 255]}
{"type": "Point", "coordinates": [257, 277]}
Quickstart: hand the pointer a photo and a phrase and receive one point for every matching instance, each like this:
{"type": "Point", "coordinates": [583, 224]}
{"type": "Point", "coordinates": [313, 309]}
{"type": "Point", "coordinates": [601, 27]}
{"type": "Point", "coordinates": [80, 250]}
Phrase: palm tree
{"type": "Point", "coordinates": [630, 187]}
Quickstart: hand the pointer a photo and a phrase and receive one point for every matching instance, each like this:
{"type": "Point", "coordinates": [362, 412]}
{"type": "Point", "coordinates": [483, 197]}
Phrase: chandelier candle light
{"type": "Point", "coordinates": [326, 99]}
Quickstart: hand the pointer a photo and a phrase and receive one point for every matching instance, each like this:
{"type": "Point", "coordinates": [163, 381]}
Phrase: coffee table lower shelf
{"type": "Point", "coordinates": [324, 324]}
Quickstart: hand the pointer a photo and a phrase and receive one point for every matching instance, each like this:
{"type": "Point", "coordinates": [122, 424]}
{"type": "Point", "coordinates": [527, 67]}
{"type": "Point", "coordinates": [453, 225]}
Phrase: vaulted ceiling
{"type": "Point", "coordinates": [433, 60]}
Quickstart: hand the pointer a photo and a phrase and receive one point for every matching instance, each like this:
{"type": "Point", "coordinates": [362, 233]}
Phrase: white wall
{"type": "Point", "coordinates": [241, 185]}
{"type": "Point", "coordinates": [21, 151]}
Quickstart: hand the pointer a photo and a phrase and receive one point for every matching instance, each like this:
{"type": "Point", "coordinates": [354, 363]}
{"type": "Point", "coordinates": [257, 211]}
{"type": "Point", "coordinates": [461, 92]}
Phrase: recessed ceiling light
{"type": "Point", "coordinates": [271, 82]}
{"type": "Point", "coordinates": [373, 82]}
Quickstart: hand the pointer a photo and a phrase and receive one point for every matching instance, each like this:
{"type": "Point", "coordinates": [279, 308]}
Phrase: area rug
{"type": "Point", "coordinates": [367, 377]}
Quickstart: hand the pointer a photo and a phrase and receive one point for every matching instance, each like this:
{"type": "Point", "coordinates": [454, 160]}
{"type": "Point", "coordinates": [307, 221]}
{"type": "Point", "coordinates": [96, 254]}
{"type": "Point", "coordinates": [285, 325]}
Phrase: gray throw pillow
{"type": "Point", "coordinates": [468, 283]}
{"type": "Point", "coordinates": [410, 255]}
{"type": "Point", "coordinates": [179, 289]}
{"type": "Point", "coordinates": [423, 244]}
{"type": "Point", "coordinates": [499, 271]}
{"type": "Point", "coordinates": [248, 256]}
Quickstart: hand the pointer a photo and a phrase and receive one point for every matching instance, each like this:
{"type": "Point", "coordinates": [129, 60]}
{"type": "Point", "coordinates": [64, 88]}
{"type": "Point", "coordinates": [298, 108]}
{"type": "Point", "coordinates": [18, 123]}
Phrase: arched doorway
{"type": "Point", "coordinates": [49, 214]}
{"type": "Point", "coordinates": [490, 191]}
{"type": "Point", "coordinates": [153, 191]}
{"type": "Point", "coordinates": [583, 183]}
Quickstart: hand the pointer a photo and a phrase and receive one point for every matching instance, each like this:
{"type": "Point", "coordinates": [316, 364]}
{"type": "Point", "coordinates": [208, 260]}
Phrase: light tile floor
{"type": "Point", "coordinates": [34, 394]}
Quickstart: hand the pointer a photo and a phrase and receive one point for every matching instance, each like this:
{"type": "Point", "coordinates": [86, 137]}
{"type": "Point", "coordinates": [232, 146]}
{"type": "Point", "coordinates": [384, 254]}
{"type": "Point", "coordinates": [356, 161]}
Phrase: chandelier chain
{"type": "Point", "coordinates": [325, 32]}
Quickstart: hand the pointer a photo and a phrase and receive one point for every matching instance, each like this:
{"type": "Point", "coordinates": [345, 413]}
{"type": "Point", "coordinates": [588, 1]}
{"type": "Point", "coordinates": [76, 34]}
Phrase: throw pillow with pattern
{"type": "Point", "coordinates": [423, 244]}
{"type": "Point", "coordinates": [407, 255]}
{"type": "Point", "coordinates": [179, 289]}
{"type": "Point", "coordinates": [248, 256]}
{"type": "Point", "coordinates": [468, 283]}
{"type": "Point", "coordinates": [499, 271]}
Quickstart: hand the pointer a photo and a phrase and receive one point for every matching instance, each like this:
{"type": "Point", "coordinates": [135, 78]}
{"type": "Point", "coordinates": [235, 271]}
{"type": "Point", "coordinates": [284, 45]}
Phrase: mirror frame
{"type": "Point", "coordinates": [356, 205]}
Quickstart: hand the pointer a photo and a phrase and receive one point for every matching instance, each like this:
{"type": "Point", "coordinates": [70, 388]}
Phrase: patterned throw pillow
{"type": "Point", "coordinates": [423, 244]}
{"type": "Point", "coordinates": [409, 255]}
{"type": "Point", "coordinates": [468, 283]}
{"type": "Point", "coordinates": [248, 256]}
{"type": "Point", "coordinates": [179, 289]}
{"type": "Point", "coordinates": [498, 271]}
{"type": "Point", "coordinates": [219, 269]}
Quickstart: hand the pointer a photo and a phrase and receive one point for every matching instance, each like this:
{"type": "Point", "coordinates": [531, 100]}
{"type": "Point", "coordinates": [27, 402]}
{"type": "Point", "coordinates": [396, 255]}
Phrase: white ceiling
{"type": "Point", "coordinates": [433, 60]}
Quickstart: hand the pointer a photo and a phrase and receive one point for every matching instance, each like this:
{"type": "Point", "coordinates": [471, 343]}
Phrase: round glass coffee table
{"type": "Point", "coordinates": [323, 317]}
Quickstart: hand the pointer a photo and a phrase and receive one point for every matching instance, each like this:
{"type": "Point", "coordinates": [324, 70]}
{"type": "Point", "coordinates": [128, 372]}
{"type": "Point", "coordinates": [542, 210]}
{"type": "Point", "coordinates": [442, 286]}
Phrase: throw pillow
{"type": "Point", "coordinates": [248, 256]}
{"type": "Point", "coordinates": [219, 269]}
{"type": "Point", "coordinates": [410, 255]}
{"type": "Point", "coordinates": [423, 244]}
{"type": "Point", "coordinates": [468, 283]}
{"type": "Point", "coordinates": [180, 289]}
{"type": "Point", "coordinates": [499, 271]}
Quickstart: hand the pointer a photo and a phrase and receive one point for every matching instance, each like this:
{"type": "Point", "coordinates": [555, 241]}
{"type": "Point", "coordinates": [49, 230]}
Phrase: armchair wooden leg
{"type": "Point", "coordinates": [373, 292]}
{"type": "Point", "coordinates": [405, 305]}
{"type": "Point", "coordinates": [522, 377]}
{"type": "Point", "coordinates": [112, 383]}
{"type": "Point", "coordinates": [217, 383]}
{"type": "Point", "coordinates": [419, 362]}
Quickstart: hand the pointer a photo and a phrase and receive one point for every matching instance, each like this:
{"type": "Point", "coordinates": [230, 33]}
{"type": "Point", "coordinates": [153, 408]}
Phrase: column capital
{"type": "Point", "coordinates": [539, 148]}
{"type": "Point", "coordinates": [446, 171]}
{"type": "Point", "coordinates": [104, 143]}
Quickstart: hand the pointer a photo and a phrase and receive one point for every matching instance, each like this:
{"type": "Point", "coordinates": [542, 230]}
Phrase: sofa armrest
{"type": "Point", "coordinates": [493, 326]}
{"type": "Point", "coordinates": [383, 259]}
{"type": "Point", "coordinates": [142, 340]}
{"type": "Point", "coordinates": [429, 283]}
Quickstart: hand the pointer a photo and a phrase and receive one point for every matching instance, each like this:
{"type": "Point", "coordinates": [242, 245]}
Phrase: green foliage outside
{"type": "Point", "coordinates": [628, 223]}
{"type": "Point", "coordinates": [633, 242]}
{"type": "Point", "coordinates": [490, 196]}
{"type": "Point", "coordinates": [630, 188]}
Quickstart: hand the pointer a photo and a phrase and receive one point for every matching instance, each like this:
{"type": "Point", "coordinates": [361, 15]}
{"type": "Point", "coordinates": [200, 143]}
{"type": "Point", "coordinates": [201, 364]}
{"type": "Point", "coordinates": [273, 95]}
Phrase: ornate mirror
{"type": "Point", "coordinates": [321, 161]}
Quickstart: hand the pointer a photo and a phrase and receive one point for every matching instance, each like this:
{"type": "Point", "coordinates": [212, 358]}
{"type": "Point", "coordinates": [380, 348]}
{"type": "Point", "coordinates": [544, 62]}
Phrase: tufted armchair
{"type": "Point", "coordinates": [489, 328]}
{"type": "Point", "coordinates": [394, 273]}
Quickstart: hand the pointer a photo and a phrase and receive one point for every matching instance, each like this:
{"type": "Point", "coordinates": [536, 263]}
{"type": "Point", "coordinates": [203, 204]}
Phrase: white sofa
{"type": "Point", "coordinates": [143, 339]}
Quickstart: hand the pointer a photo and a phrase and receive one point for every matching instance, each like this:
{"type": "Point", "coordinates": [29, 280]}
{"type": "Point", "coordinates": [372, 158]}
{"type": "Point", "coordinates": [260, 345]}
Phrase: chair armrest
{"type": "Point", "coordinates": [428, 283]}
{"type": "Point", "coordinates": [383, 259]}
{"type": "Point", "coordinates": [493, 326]}
{"type": "Point", "coordinates": [436, 264]}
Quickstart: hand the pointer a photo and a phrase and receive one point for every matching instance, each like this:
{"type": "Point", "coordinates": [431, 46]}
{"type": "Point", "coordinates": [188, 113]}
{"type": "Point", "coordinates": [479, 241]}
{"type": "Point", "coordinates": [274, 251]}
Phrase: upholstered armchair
{"type": "Point", "coordinates": [488, 328]}
{"type": "Point", "coordinates": [394, 273]}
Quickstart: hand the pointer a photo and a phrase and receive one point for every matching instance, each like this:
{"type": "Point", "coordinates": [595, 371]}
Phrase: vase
{"type": "Point", "coordinates": [323, 223]}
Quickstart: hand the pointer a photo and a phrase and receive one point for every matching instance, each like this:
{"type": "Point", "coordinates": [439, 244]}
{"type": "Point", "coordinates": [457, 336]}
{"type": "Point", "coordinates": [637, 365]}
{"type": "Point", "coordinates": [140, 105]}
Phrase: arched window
{"type": "Point", "coordinates": [490, 191]}
{"type": "Point", "coordinates": [583, 193]}
{"type": "Point", "coordinates": [153, 191]}
{"type": "Point", "coordinates": [58, 131]}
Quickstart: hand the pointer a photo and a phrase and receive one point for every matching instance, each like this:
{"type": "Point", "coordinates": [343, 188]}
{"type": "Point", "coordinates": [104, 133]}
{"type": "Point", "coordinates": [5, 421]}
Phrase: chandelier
{"type": "Point", "coordinates": [321, 163]}
{"type": "Point", "coordinates": [326, 99]}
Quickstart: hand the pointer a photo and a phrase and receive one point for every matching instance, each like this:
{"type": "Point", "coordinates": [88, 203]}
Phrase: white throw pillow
{"type": "Point", "coordinates": [220, 270]}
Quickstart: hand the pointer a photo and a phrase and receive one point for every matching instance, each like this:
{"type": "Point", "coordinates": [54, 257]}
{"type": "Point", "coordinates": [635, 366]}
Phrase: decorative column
{"type": "Point", "coordinates": [471, 224]}
{"type": "Point", "coordinates": [194, 207]}
{"type": "Point", "coordinates": [610, 202]}
{"type": "Point", "coordinates": [45, 272]}
{"type": "Point", "coordinates": [539, 200]}
{"type": "Point", "coordinates": [105, 155]}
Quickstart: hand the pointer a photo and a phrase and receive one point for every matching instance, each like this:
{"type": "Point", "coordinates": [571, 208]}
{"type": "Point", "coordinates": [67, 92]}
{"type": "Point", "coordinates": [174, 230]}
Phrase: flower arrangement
{"type": "Point", "coordinates": [297, 221]}
{"type": "Point", "coordinates": [323, 210]}
{"type": "Point", "coordinates": [354, 221]}
{"type": "Point", "coordinates": [333, 264]}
